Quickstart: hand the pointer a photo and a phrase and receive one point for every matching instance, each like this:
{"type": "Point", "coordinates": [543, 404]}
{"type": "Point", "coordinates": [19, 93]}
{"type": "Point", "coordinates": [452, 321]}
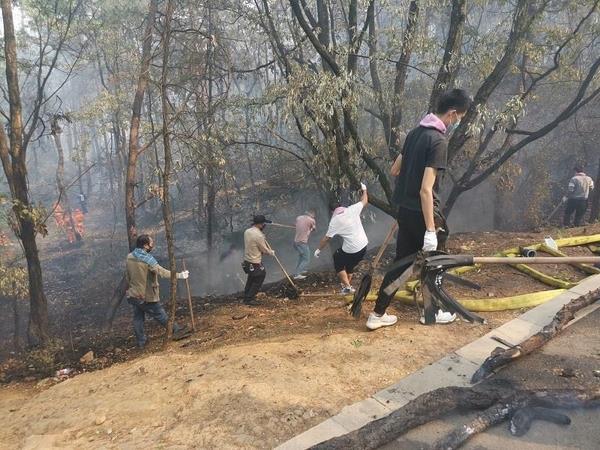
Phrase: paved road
{"type": "Point", "coordinates": [577, 350]}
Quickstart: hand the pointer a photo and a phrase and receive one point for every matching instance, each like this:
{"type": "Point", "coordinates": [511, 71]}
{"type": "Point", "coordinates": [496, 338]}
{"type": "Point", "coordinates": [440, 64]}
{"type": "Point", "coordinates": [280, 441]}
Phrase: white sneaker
{"type": "Point", "coordinates": [299, 277]}
{"type": "Point", "coordinates": [441, 317]}
{"type": "Point", "coordinates": [348, 290]}
{"type": "Point", "coordinates": [374, 321]}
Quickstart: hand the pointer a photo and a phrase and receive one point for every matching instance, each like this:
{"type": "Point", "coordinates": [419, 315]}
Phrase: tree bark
{"type": "Point", "coordinates": [539, 403]}
{"type": "Point", "coordinates": [595, 212]}
{"type": "Point", "coordinates": [17, 324]}
{"type": "Point", "coordinates": [452, 52]}
{"type": "Point", "coordinates": [14, 162]}
{"type": "Point", "coordinates": [166, 174]}
{"type": "Point", "coordinates": [423, 409]}
{"type": "Point", "coordinates": [134, 129]}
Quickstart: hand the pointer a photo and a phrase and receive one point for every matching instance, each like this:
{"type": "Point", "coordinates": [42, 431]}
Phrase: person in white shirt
{"type": "Point", "coordinates": [347, 224]}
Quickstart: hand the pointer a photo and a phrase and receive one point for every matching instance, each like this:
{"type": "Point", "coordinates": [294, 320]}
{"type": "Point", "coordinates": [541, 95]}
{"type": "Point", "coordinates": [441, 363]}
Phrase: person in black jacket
{"type": "Point", "coordinates": [424, 154]}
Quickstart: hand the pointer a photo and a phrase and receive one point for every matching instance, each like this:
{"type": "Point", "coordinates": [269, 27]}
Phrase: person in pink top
{"type": "Point", "coordinates": [305, 224]}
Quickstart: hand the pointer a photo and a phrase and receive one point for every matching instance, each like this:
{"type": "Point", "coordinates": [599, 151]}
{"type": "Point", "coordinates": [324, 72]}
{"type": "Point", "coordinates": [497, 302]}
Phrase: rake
{"type": "Point", "coordinates": [433, 274]}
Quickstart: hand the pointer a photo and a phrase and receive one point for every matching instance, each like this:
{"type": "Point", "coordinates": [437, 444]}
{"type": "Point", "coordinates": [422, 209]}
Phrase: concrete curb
{"type": "Point", "coordinates": [454, 369]}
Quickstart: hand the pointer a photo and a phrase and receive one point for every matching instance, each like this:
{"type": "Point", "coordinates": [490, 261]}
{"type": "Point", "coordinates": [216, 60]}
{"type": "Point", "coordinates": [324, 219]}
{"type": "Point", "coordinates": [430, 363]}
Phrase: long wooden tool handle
{"type": "Point", "coordinates": [281, 266]}
{"type": "Point", "coordinates": [275, 224]}
{"type": "Point", "coordinates": [189, 293]}
{"type": "Point", "coordinates": [536, 260]}
{"type": "Point", "coordinates": [384, 245]}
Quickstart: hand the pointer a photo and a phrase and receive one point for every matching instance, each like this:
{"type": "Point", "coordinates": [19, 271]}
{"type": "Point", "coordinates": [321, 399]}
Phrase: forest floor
{"type": "Point", "coordinates": [249, 377]}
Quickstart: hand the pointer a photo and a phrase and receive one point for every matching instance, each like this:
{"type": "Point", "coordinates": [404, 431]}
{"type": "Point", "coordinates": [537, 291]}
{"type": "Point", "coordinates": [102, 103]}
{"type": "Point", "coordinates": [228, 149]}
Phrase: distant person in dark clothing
{"type": "Point", "coordinates": [578, 192]}
{"type": "Point", "coordinates": [255, 245]}
{"type": "Point", "coordinates": [83, 203]}
{"type": "Point", "coordinates": [424, 154]}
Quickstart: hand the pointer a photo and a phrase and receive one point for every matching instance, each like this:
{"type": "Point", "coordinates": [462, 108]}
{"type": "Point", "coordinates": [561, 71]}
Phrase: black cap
{"type": "Point", "coordinates": [260, 219]}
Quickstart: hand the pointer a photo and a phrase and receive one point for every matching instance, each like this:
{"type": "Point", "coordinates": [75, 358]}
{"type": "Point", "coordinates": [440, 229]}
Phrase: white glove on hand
{"type": "Point", "coordinates": [564, 199]}
{"type": "Point", "coordinates": [363, 187]}
{"type": "Point", "coordinates": [317, 253]}
{"type": "Point", "coordinates": [183, 275]}
{"type": "Point", "coordinates": [272, 253]}
{"type": "Point", "coordinates": [430, 241]}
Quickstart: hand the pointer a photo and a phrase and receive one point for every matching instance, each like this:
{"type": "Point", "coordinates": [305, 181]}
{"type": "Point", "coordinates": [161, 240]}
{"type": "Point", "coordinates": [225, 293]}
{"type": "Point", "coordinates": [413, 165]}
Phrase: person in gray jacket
{"type": "Point", "coordinates": [578, 192]}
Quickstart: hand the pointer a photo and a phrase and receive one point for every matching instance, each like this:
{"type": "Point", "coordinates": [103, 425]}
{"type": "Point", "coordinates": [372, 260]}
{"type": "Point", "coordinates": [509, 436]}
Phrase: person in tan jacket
{"type": "Point", "coordinates": [255, 245]}
{"type": "Point", "coordinates": [142, 275]}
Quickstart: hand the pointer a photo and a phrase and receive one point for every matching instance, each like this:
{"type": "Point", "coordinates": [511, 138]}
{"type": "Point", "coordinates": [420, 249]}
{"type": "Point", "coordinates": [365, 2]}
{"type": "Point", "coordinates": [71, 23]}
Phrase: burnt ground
{"type": "Point", "coordinates": [250, 377]}
{"type": "Point", "coordinates": [81, 279]}
{"type": "Point", "coordinates": [569, 361]}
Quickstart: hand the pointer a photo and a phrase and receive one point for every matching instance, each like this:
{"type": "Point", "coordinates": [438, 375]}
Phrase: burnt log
{"type": "Point", "coordinates": [522, 408]}
{"type": "Point", "coordinates": [559, 322]}
{"type": "Point", "coordinates": [423, 409]}
{"type": "Point", "coordinates": [523, 418]}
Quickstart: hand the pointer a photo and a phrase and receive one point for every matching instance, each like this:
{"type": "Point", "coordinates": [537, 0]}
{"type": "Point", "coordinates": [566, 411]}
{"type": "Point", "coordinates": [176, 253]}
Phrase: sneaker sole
{"type": "Point", "coordinates": [381, 325]}
{"type": "Point", "coordinates": [438, 323]}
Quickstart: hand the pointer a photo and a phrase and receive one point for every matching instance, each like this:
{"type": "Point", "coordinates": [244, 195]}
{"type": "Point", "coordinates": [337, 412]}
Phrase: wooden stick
{"type": "Point", "coordinates": [282, 225]}
{"type": "Point", "coordinates": [384, 245]}
{"type": "Point", "coordinates": [189, 293]}
{"type": "Point", "coordinates": [536, 260]}
{"type": "Point", "coordinates": [281, 266]}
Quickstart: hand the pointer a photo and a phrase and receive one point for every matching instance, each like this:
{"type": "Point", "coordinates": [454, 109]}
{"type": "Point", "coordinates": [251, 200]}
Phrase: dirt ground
{"type": "Point", "coordinates": [244, 395]}
{"type": "Point", "coordinates": [249, 378]}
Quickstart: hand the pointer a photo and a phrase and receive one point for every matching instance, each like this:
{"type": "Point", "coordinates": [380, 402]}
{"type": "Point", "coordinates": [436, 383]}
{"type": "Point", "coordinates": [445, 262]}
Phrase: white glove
{"type": "Point", "coordinates": [430, 242]}
{"type": "Point", "coordinates": [317, 253]}
{"type": "Point", "coordinates": [363, 187]}
{"type": "Point", "coordinates": [564, 199]}
{"type": "Point", "coordinates": [272, 253]}
{"type": "Point", "coordinates": [183, 275]}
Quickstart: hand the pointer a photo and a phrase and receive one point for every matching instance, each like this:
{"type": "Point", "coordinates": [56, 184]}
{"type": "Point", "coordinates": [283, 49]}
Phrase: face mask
{"type": "Point", "coordinates": [452, 128]}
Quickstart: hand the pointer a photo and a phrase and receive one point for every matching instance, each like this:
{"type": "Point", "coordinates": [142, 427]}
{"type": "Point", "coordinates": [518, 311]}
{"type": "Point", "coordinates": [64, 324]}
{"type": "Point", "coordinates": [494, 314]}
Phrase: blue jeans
{"type": "Point", "coordinates": [303, 257]}
{"type": "Point", "coordinates": [155, 310]}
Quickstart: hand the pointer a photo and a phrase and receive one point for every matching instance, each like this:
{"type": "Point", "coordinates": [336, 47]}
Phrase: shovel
{"type": "Point", "coordinates": [365, 284]}
{"type": "Point", "coordinates": [294, 293]}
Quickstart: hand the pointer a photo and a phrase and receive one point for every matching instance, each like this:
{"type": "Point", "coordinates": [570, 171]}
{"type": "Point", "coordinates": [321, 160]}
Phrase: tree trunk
{"type": "Point", "coordinates": [596, 197]}
{"type": "Point", "coordinates": [17, 324]}
{"type": "Point", "coordinates": [166, 179]}
{"type": "Point", "coordinates": [14, 159]}
{"type": "Point", "coordinates": [452, 52]}
{"type": "Point", "coordinates": [142, 83]}
{"type": "Point", "coordinates": [200, 213]}
{"type": "Point", "coordinates": [60, 175]}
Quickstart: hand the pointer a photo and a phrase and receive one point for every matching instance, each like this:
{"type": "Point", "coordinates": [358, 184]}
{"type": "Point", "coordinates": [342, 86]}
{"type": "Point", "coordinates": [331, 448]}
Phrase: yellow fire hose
{"type": "Point", "coordinates": [590, 270]}
{"type": "Point", "coordinates": [486, 304]}
{"type": "Point", "coordinates": [518, 301]}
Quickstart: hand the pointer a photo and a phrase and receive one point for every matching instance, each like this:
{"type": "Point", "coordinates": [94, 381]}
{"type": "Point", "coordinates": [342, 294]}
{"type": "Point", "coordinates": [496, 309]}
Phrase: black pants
{"type": "Point", "coordinates": [577, 206]}
{"type": "Point", "coordinates": [256, 276]}
{"type": "Point", "coordinates": [411, 230]}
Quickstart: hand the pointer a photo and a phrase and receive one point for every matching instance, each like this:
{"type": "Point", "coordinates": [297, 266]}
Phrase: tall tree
{"type": "Point", "coordinates": [13, 152]}
{"type": "Point", "coordinates": [168, 163]}
{"type": "Point", "coordinates": [134, 129]}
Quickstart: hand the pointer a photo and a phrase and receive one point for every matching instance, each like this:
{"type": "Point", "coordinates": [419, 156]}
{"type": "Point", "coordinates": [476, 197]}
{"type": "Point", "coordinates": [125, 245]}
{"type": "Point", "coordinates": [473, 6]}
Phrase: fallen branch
{"type": "Point", "coordinates": [423, 409]}
{"type": "Point", "coordinates": [560, 321]}
{"type": "Point", "coordinates": [522, 419]}
{"type": "Point", "coordinates": [522, 408]}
